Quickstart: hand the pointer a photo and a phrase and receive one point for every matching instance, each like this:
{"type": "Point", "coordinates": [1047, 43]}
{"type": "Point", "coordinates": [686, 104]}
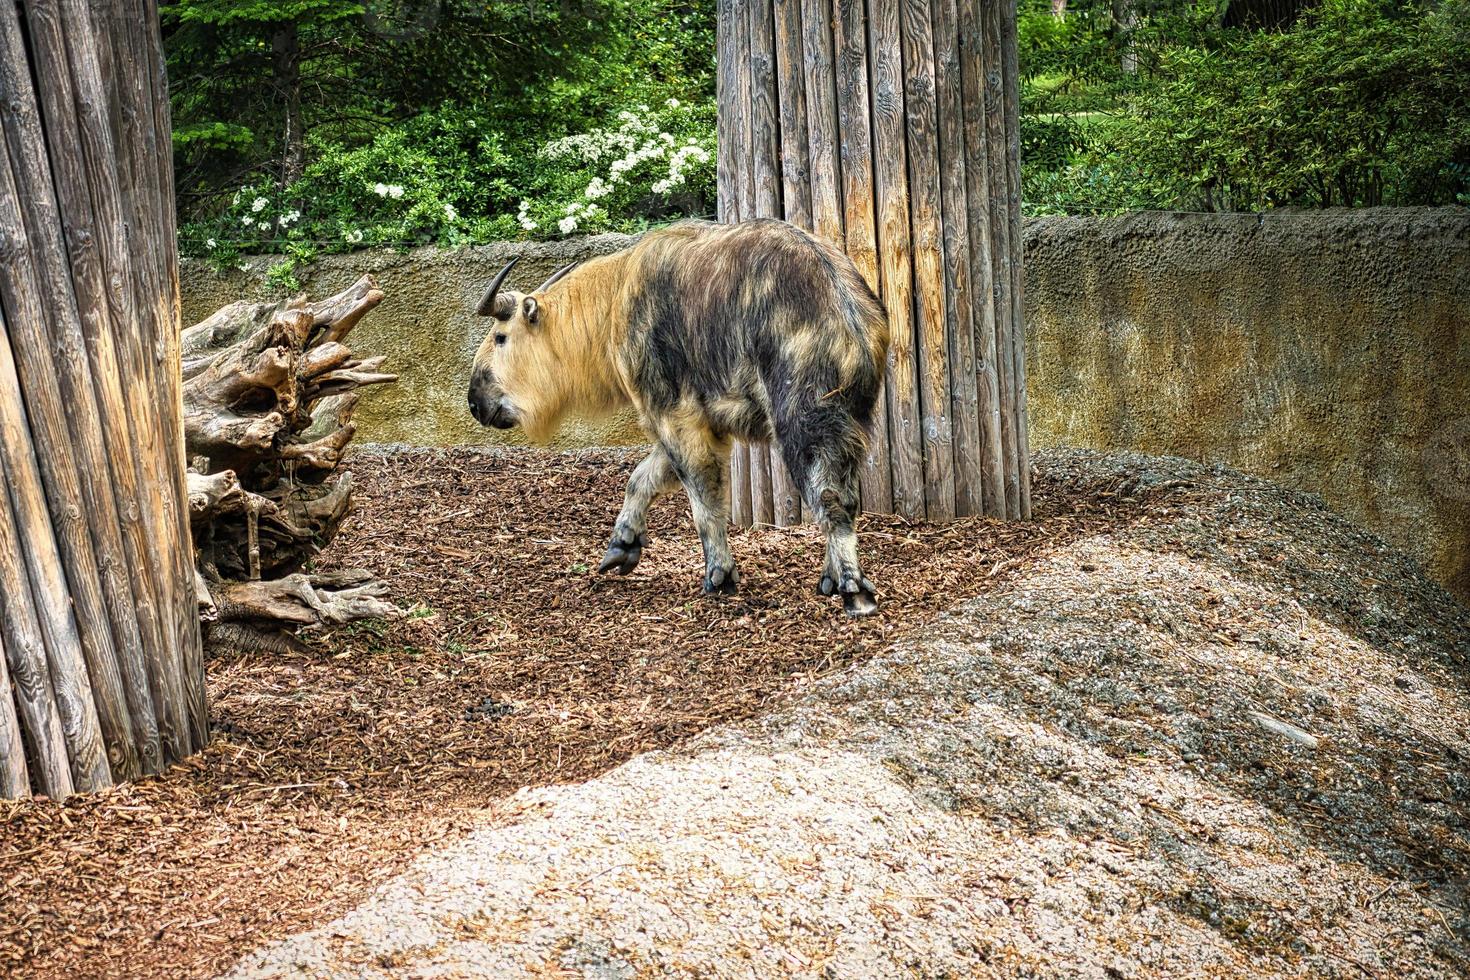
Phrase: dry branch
{"type": "Point", "coordinates": [269, 393]}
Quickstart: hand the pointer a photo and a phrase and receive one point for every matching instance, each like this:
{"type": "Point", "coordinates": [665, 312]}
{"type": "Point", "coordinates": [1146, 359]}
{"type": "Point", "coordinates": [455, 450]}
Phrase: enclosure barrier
{"type": "Point", "coordinates": [101, 677]}
{"type": "Point", "coordinates": [890, 128]}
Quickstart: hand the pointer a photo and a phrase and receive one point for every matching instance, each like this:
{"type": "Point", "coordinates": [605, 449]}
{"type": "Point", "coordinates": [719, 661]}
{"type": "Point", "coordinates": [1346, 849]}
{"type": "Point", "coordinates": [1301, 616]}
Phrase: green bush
{"type": "Point", "coordinates": [1362, 102]}
{"type": "Point", "coordinates": [449, 177]}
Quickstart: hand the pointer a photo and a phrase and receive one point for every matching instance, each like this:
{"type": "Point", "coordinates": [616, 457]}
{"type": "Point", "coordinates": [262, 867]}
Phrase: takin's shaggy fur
{"type": "Point", "coordinates": [755, 331]}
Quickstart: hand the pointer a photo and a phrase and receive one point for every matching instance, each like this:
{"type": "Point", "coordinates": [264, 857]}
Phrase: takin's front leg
{"type": "Point", "coordinates": [651, 478]}
{"type": "Point", "coordinates": [704, 469]}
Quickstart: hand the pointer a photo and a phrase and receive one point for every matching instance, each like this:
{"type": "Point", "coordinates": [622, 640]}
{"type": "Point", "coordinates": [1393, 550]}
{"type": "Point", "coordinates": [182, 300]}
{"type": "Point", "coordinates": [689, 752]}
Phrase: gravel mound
{"type": "Point", "coordinates": [1227, 737]}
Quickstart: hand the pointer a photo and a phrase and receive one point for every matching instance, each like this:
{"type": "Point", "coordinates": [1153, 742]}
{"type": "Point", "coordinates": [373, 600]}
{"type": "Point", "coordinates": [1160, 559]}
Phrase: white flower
{"type": "Point", "coordinates": [567, 224]}
{"type": "Point", "coordinates": [662, 186]}
{"type": "Point", "coordinates": [672, 103]}
{"type": "Point", "coordinates": [247, 221]}
{"type": "Point", "coordinates": [395, 191]}
{"type": "Point", "coordinates": [264, 226]}
{"type": "Point", "coordinates": [380, 189]}
{"type": "Point", "coordinates": [596, 188]}
{"type": "Point", "coordinates": [523, 217]}
{"type": "Point", "coordinates": [289, 218]}
{"type": "Point", "coordinates": [354, 236]}
{"type": "Point", "coordinates": [210, 243]}
{"type": "Point", "coordinates": [450, 213]}
{"type": "Point", "coordinates": [258, 204]}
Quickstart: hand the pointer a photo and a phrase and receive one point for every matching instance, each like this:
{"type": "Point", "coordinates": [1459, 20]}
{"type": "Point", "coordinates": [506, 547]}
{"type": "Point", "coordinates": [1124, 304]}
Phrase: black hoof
{"type": "Point", "coordinates": [830, 586]}
{"type": "Point", "coordinates": [721, 581]}
{"type": "Point", "coordinates": [623, 554]}
{"type": "Point", "coordinates": [859, 603]}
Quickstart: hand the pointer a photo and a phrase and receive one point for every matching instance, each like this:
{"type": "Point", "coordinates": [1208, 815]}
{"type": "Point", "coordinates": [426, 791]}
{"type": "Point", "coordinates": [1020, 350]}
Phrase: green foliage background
{"type": "Point", "coordinates": [448, 105]}
{"type": "Point", "coordinates": [1355, 103]}
{"type": "Point", "coordinates": [308, 125]}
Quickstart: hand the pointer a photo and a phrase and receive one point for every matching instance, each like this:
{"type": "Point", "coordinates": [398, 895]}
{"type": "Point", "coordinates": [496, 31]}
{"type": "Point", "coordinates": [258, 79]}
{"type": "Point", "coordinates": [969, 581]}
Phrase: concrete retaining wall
{"type": "Point", "coordinates": [1326, 351]}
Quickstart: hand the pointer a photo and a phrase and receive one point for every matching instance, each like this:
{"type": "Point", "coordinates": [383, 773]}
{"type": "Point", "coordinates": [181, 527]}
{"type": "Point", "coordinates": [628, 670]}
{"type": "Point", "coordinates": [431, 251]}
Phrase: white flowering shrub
{"type": "Point", "coordinates": [451, 178]}
{"type": "Point", "coordinates": [653, 163]}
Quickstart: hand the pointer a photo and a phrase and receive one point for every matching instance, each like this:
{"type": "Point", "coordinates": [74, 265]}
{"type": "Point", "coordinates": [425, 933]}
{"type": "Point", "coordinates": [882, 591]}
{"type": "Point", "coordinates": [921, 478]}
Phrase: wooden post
{"type": "Point", "coordinates": [854, 115]}
{"type": "Point", "coordinates": [733, 129]}
{"type": "Point", "coordinates": [101, 627]}
{"type": "Point", "coordinates": [1000, 249]}
{"type": "Point", "coordinates": [890, 170]}
{"type": "Point", "coordinates": [766, 200]}
{"type": "Point", "coordinates": [959, 322]}
{"type": "Point", "coordinates": [893, 128]}
{"type": "Point", "coordinates": [977, 190]}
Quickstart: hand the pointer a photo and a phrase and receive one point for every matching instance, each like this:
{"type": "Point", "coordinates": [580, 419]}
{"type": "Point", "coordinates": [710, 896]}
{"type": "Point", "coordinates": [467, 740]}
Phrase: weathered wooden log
{"type": "Point", "coordinates": [1001, 251]}
{"type": "Point", "coordinates": [894, 246]}
{"type": "Point", "coordinates": [98, 625]}
{"type": "Point", "coordinates": [48, 670]}
{"type": "Point", "coordinates": [766, 200]}
{"type": "Point", "coordinates": [268, 395]}
{"type": "Point", "coordinates": [1011, 96]}
{"type": "Point", "coordinates": [59, 399]}
{"type": "Point", "coordinates": [854, 112]}
{"type": "Point", "coordinates": [927, 219]}
{"type": "Point", "coordinates": [977, 188]}
{"type": "Point", "coordinates": [964, 400]}
{"type": "Point", "coordinates": [15, 779]}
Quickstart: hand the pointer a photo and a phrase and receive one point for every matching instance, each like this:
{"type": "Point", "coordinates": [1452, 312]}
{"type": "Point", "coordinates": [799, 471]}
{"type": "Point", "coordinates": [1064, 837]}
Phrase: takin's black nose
{"type": "Point", "coordinates": [490, 411]}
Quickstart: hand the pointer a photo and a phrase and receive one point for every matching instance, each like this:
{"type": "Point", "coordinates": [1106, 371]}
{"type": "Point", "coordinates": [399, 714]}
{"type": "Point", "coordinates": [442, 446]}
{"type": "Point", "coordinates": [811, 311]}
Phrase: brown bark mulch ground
{"type": "Point", "coordinates": [519, 666]}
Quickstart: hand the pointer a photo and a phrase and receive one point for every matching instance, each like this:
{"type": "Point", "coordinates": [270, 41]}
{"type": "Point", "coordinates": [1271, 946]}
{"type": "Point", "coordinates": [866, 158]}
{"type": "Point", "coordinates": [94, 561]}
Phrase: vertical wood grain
{"type": "Point", "coordinates": [157, 160]}
{"type": "Point", "coordinates": [850, 58]}
{"type": "Point", "coordinates": [821, 113]}
{"type": "Point", "coordinates": [960, 313]}
{"type": "Point", "coordinates": [927, 224]}
{"type": "Point", "coordinates": [48, 666]}
{"type": "Point", "coordinates": [53, 370]}
{"type": "Point", "coordinates": [84, 357]}
{"type": "Point", "coordinates": [982, 273]}
{"type": "Point", "coordinates": [890, 177]}
{"type": "Point", "coordinates": [733, 124]}
{"type": "Point", "coordinates": [796, 197]}
{"type": "Point", "coordinates": [767, 203]}
{"type": "Point", "coordinates": [1000, 248]}
{"type": "Point", "coordinates": [112, 283]}
{"type": "Point", "coordinates": [15, 777]}
{"type": "Point", "coordinates": [1011, 91]}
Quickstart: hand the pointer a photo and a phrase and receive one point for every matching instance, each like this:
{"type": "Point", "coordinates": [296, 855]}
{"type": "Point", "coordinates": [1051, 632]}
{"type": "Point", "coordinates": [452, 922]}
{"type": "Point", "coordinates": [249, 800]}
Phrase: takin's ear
{"type": "Point", "coordinates": [532, 308]}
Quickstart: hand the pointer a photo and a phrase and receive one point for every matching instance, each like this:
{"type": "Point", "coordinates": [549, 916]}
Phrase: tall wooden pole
{"type": "Point", "coordinates": [101, 627]}
{"type": "Point", "coordinates": [891, 128]}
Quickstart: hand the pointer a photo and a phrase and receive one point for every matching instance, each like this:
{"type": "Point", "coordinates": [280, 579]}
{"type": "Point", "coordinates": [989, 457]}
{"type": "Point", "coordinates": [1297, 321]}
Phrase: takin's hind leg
{"type": "Point", "coordinates": [703, 465]}
{"type": "Point", "coordinates": [651, 478]}
{"type": "Point", "coordinates": [832, 494]}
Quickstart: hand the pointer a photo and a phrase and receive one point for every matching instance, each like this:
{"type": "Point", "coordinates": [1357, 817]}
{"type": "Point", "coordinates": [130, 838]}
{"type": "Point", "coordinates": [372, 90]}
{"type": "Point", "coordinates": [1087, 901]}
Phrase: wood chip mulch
{"type": "Point", "coordinates": [518, 666]}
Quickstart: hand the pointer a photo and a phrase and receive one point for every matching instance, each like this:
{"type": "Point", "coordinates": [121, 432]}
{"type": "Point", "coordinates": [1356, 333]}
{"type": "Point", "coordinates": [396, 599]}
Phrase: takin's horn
{"type": "Point", "coordinates": [557, 276]}
{"type": "Point", "coordinates": [488, 305]}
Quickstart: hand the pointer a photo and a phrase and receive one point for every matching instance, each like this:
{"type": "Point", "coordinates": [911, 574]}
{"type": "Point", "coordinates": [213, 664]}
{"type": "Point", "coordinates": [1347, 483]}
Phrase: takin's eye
{"type": "Point", "coordinates": [500, 340]}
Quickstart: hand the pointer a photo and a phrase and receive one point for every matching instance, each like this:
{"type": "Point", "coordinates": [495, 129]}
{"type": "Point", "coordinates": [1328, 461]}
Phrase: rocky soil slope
{"type": "Point", "coordinates": [1227, 737]}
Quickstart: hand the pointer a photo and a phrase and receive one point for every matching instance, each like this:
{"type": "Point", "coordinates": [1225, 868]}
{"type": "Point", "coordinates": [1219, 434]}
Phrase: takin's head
{"type": "Point", "coordinates": [508, 382]}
